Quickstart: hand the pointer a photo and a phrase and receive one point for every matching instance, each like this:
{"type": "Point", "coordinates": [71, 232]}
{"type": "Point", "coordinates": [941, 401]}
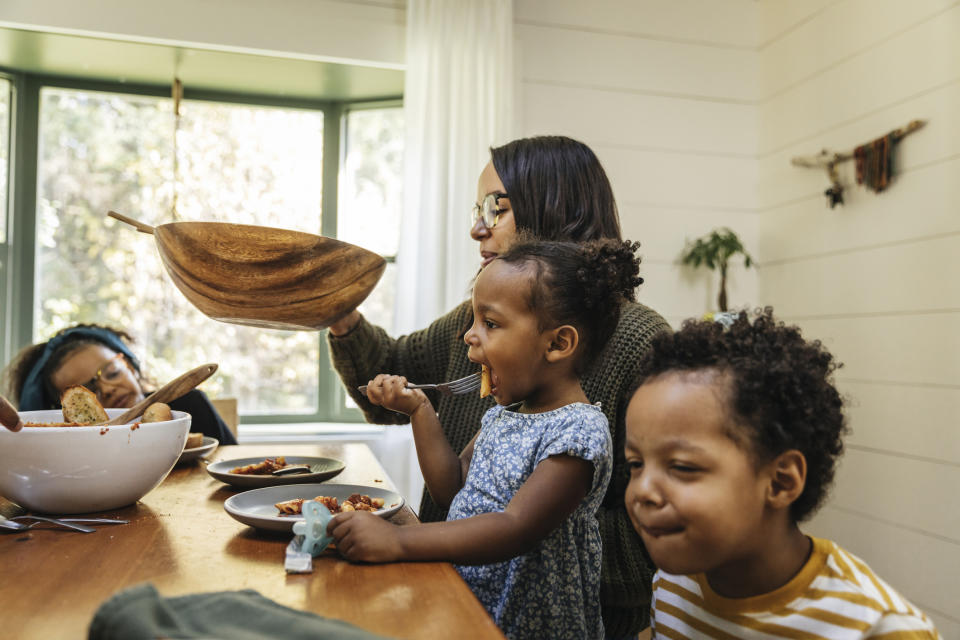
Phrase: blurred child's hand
{"type": "Point", "coordinates": [363, 537]}
{"type": "Point", "coordinates": [391, 392]}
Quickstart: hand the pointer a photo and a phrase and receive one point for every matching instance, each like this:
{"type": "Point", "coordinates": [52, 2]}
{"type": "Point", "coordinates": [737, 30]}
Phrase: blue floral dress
{"type": "Point", "coordinates": [552, 591]}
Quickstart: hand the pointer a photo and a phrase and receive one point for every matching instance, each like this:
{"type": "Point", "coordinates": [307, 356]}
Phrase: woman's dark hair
{"type": "Point", "coordinates": [779, 391]}
{"type": "Point", "coordinates": [580, 284]}
{"type": "Point", "coordinates": [557, 189]}
{"type": "Point", "coordinates": [75, 338]}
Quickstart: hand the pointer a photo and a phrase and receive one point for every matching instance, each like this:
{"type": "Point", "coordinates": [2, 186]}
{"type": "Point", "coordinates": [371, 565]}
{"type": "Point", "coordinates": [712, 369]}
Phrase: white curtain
{"type": "Point", "coordinates": [458, 102]}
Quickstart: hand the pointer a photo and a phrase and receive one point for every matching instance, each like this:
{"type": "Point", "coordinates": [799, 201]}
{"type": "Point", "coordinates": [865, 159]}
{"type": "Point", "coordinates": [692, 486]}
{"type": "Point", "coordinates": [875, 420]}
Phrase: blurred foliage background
{"type": "Point", "coordinates": [235, 163]}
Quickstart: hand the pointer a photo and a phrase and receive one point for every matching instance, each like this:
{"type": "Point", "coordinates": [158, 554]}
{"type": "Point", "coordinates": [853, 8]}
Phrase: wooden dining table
{"type": "Point", "coordinates": [181, 540]}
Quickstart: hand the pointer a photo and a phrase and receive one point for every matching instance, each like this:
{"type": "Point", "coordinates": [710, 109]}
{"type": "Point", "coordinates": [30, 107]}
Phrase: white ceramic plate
{"type": "Point", "coordinates": [321, 469]}
{"type": "Point", "coordinates": [256, 509]}
{"type": "Point", "coordinates": [189, 455]}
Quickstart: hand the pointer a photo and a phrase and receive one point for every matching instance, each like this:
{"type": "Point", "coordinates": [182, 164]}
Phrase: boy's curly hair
{"type": "Point", "coordinates": [780, 390]}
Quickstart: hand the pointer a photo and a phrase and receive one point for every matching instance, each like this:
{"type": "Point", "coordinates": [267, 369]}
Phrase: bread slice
{"type": "Point", "coordinates": [80, 405]}
{"type": "Point", "coordinates": [157, 412]}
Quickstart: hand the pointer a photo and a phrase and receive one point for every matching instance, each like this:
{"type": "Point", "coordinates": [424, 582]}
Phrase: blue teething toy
{"type": "Point", "coordinates": [314, 528]}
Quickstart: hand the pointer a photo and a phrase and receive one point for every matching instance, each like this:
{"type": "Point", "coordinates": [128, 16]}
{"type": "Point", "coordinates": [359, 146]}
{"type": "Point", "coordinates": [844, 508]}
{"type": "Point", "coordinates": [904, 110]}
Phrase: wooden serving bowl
{"type": "Point", "coordinates": [264, 276]}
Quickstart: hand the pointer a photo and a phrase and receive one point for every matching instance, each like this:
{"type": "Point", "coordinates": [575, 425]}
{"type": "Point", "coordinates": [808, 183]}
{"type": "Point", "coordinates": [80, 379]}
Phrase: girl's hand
{"type": "Point", "coordinates": [364, 537]}
{"type": "Point", "coordinates": [391, 392]}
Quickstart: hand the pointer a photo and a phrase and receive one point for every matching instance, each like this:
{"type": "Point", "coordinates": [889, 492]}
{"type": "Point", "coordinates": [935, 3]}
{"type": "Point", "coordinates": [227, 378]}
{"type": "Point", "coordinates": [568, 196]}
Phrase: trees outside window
{"type": "Point", "coordinates": [239, 163]}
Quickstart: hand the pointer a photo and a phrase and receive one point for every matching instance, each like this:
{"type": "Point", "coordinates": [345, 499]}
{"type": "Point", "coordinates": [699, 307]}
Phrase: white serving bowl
{"type": "Point", "coordinates": [64, 470]}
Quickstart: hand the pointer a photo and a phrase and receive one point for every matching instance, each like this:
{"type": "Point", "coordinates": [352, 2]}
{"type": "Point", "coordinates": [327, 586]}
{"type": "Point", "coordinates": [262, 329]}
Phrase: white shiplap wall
{"type": "Point", "coordinates": [877, 279]}
{"type": "Point", "coordinates": [695, 108]}
{"type": "Point", "coordinates": [665, 93]}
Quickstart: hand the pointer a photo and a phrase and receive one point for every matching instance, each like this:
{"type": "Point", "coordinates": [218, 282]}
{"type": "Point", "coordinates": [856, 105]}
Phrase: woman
{"type": "Point", "coordinates": [98, 358]}
{"type": "Point", "coordinates": [555, 188]}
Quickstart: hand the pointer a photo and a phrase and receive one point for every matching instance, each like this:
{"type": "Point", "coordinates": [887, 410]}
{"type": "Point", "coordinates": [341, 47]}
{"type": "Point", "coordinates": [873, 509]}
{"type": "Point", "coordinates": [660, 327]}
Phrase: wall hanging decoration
{"type": "Point", "coordinates": [873, 162]}
{"type": "Point", "coordinates": [714, 251]}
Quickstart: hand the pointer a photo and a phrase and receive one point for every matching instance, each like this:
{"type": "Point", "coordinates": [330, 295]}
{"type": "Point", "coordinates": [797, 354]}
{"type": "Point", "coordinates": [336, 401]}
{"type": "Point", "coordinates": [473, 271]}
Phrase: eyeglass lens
{"type": "Point", "coordinates": [108, 372]}
{"type": "Point", "coordinates": [488, 210]}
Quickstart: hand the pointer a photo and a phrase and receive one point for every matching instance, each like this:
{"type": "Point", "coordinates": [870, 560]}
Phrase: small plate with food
{"type": "Point", "coordinates": [249, 473]}
{"type": "Point", "coordinates": [197, 446]}
{"type": "Point", "coordinates": [277, 508]}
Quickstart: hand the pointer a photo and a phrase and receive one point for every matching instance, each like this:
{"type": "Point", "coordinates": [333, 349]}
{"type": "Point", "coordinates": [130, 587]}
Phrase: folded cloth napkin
{"type": "Point", "coordinates": [140, 612]}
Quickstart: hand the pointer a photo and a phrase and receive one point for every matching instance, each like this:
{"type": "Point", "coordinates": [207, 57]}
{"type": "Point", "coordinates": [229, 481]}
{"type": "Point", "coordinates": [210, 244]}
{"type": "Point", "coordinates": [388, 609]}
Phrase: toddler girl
{"type": "Point", "coordinates": [523, 494]}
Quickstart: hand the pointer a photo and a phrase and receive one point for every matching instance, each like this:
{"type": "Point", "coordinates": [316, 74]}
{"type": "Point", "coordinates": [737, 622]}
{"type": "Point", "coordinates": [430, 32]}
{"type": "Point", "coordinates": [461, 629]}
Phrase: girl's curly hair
{"type": "Point", "coordinates": [582, 284]}
{"type": "Point", "coordinates": [779, 391]}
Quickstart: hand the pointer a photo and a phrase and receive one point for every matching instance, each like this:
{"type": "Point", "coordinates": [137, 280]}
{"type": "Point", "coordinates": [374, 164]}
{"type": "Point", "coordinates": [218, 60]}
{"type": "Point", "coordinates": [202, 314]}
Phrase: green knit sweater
{"type": "Point", "coordinates": [439, 353]}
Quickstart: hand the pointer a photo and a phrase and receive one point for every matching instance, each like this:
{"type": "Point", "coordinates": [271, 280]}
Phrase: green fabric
{"type": "Point", "coordinates": [439, 353]}
{"type": "Point", "coordinates": [140, 613]}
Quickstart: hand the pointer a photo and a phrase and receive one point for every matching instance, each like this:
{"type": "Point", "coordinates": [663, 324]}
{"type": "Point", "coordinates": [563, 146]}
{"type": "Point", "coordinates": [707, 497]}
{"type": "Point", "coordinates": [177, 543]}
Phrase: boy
{"type": "Point", "coordinates": [732, 440]}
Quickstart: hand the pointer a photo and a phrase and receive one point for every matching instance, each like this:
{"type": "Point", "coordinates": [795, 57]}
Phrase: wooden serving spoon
{"type": "Point", "coordinates": [142, 227]}
{"type": "Point", "coordinates": [9, 416]}
{"type": "Point", "coordinates": [167, 393]}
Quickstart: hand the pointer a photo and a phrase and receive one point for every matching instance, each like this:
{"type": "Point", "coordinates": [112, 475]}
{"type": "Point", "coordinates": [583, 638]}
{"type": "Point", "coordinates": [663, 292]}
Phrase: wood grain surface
{"type": "Point", "coordinates": [267, 277]}
{"type": "Point", "coordinates": [180, 539]}
{"type": "Point", "coordinates": [168, 392]}
{"type": "Point", "coordinates": [9, 417]}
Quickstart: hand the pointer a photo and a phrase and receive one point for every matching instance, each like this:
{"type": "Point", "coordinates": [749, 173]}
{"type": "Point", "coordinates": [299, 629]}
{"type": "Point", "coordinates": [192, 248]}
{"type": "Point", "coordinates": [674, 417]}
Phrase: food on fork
{"type": "Point", "coordinates": [80, 405]}
{"type": "Point", "coordinates": [160, 412]}
{"type": "Point", "coordinates": [486, 385]}
{"type": "Point", "coordinates": [356, 502]}
{"type": "Point", "coordinates": [264, 468]}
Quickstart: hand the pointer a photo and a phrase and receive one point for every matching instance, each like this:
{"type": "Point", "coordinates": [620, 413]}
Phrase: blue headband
{"type": "Point", "coordinates": [32, 394]}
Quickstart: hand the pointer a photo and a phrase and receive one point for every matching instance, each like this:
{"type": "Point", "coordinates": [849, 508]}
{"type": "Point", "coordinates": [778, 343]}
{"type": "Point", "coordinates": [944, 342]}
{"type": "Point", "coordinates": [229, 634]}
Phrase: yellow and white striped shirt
{"type": "Point", "coordinates": [835, 596]}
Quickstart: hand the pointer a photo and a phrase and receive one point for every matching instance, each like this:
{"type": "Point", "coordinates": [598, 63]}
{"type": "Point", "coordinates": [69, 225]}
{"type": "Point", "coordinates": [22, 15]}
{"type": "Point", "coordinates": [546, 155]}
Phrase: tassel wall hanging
{"type": "Point", "coordinates": [873, 162]}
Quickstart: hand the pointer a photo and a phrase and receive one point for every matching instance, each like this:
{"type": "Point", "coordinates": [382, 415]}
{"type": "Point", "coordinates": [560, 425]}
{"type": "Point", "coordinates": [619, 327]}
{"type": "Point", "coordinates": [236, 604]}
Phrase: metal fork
{"type": "Point", "coordinates": [14, 524]}
{"type": "Point", "coordinates": [19, 526]}
{"type": "Point", "coordinates": [453, 388]}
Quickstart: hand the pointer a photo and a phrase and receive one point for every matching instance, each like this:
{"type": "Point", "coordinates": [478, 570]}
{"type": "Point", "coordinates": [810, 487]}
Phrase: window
{"type": "Point", "coordinates": [371, 200]}
{"type": "Point", "coordinates": [371, 197]}
{"type": "Point", "coordinates": [5, 91]}
{"type": "Point", "coordinates": [4, 162]}
{"type": "Point", "coordinates": [235, 162]}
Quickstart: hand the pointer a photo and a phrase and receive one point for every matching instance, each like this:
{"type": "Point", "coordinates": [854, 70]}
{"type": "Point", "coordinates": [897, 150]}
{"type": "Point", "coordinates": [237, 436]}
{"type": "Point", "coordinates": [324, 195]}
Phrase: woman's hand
{"type": "Point", "coordinates": [363, 537]}
{"type": "Point", "coordinates": [391, 392]}
{"type": "Point", "coordinates": [345, 324]}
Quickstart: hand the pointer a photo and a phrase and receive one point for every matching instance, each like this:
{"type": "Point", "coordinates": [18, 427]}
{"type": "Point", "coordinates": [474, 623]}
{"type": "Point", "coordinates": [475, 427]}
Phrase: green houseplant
{"type": "Point", "coordinates": [714, 251]}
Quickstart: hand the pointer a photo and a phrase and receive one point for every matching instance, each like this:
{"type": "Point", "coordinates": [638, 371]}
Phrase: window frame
{"type": "Point", "coordinates": [365, 105]}
{"type": "Point", "coordinates": [16, 320]}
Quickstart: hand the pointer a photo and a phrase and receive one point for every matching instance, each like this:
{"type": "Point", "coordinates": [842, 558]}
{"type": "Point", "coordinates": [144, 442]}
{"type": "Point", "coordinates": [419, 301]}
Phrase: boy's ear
{"type": "Point", "coordinates": [563, 341]}
{"type": "Point", "coordinates": [788, 476]}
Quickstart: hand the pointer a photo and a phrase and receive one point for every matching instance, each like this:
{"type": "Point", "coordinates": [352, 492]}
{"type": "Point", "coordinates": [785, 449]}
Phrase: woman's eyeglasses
{"type": "Point", "coordinates": [489, 210]}
{"type": "Point", "coordinates": [111, 370]}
